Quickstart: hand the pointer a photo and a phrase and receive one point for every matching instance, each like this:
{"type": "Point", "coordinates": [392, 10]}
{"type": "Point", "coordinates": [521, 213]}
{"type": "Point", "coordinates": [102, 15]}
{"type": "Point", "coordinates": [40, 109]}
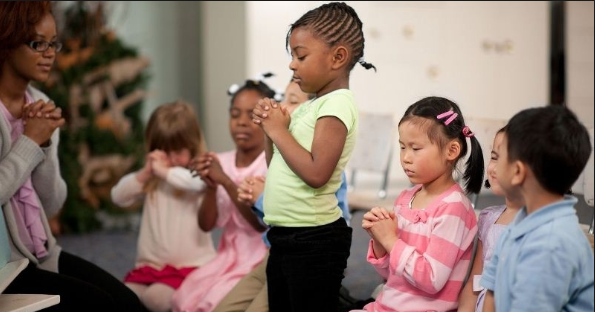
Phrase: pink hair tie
{"type": "Point", "coordinates": [467, 132]}
{"type": "Point", "coordinates": [452, 117]}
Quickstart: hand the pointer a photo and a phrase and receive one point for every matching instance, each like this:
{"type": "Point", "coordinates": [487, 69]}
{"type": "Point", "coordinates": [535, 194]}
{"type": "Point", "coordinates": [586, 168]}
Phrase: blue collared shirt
{"type": "Point", "coordinates": [543, 262]}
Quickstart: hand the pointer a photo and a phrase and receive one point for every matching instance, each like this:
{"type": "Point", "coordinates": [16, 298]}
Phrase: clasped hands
{"type": "Point", "coordinates": [250, 189]}
{"type": "Point", "coordinates": [382, 226]}
{"type": "Point", "coordinates": [40, 119]}
{"type": "Point", "coordinates": [208, 168]}
{"type": "Point", "coordinates": [270, 115]}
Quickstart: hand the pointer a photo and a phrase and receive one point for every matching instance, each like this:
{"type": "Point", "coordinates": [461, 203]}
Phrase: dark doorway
{"type": "Point", "coordinates": [557, 55]}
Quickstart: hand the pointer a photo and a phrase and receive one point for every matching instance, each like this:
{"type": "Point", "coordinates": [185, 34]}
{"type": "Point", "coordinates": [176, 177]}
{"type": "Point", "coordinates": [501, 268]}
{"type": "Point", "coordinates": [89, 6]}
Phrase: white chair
{"type": "Point", "coordinates": [584, 183]}
{"type": "Point", "coordinates": [9, 270]}
{"type": "Point", "coordinates": [588, 184]}
{"type": "Point", "coordinates": [373, 148]}
{"type": "Point", "coordinates": [4, 246]}
{"type": "Point", "coordinates": [21, 302]}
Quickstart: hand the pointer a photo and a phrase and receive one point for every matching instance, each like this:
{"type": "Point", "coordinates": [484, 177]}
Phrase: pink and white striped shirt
{"type": "Point", "coordinates": [427, 265]}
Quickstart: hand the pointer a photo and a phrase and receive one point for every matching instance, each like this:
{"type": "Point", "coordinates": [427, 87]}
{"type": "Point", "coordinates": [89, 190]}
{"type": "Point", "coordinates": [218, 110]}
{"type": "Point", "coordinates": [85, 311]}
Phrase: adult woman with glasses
{"type": "Point", "coordinates": [31, 187]}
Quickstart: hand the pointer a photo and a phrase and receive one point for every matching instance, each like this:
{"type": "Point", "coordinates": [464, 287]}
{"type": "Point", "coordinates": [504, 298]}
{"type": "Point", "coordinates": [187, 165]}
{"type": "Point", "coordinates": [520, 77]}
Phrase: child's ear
{"type": "Point", "coordinates": [519, 172]}
{"type": "Point", "coordinates": [453, 150]}
{"type": "Point", "coordinates": [340, 57]}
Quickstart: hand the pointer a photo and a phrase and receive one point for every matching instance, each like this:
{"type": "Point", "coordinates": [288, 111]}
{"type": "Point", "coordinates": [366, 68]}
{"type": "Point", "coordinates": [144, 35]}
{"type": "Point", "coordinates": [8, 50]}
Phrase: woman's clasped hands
{"type": "Point", "coordinates": [40, 120]}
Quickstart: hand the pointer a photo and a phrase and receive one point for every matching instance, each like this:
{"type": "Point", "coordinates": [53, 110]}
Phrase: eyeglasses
{"type": "Point", "coordinates": [42, 46]}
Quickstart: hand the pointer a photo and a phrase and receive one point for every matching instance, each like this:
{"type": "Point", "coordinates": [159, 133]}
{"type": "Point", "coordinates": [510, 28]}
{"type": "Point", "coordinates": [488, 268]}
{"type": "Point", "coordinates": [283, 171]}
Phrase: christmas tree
{"type": "Point", "coordinates": [99, 82]}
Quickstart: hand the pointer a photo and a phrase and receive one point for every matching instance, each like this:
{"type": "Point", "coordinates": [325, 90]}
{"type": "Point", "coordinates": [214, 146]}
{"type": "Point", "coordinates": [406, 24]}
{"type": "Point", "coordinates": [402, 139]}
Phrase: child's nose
{"type": "Point", "coordinates": [245, 119]}
{"type": "Point", "coordinates": [406, 157]}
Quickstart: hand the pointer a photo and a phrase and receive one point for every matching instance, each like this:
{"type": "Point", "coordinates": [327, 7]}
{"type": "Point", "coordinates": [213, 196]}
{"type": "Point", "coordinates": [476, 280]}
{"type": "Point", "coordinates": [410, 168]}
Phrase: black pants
{"type": "Point", "coordinates": [306, 265]}
{"type": "Point", "coordinates": [82, 286]}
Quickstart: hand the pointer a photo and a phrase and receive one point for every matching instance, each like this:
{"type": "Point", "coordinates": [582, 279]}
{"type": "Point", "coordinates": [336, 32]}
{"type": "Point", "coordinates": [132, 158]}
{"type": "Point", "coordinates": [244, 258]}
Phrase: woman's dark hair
{"type": "Point", "coordinates": [443, 129]}
{"type": "Point", "coordinates": [17, 23]}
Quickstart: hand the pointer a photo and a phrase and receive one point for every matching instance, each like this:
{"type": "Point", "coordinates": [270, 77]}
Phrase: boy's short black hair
{"type": "Point", "coordinates": [552, 142]}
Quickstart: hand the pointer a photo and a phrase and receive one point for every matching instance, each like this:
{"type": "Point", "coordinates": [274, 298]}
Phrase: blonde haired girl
{"type": "Point", "coordinates": [170, 243]}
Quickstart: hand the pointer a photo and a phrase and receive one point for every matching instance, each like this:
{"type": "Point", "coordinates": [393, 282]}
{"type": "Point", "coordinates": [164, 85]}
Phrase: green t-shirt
{"type": "Point", "coordinates": [288, 200]}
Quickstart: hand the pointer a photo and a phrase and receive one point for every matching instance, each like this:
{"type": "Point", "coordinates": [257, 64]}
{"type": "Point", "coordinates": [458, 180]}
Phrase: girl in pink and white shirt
{"type": "Point", "coordinates": [171, 245]}
{"type": "Point", "coordinates": [423, 246]}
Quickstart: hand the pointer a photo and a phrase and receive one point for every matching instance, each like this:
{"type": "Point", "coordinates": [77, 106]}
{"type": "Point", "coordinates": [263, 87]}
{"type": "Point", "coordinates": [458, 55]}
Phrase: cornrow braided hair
{"type": "Point", "coordinates": [335, 23]}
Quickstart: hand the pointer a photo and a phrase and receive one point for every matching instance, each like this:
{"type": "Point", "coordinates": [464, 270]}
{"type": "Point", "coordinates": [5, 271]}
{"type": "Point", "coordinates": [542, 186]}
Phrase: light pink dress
{"type": "Point", "coordinates": [240, 249]}
{"type": "Point", "coordinates": [489, 232]}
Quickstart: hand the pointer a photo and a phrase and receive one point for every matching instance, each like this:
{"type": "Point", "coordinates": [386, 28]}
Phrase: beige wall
{"type": "Point", "coordinates": [197, 51]}
{"type": "Point", "coordinates": [579, 59]}
{"type": "Point", "coordinates": [142, 25]}
{"type": "Point", "coordinates": [490, 57]}
{"type": "Point", "coordinates": [223, 63]}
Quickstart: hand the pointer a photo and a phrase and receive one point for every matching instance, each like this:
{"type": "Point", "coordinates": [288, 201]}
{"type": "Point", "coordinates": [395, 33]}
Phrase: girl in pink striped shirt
{"type": "Point", "coordinates": [423, 246]}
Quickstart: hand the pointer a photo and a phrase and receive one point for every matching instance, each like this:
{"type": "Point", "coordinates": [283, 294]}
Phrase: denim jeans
{"type": "Point", "coordinates": [306, 266]}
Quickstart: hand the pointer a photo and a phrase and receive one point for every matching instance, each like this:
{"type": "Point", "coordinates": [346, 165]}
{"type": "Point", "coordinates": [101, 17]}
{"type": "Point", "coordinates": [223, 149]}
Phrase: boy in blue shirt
{"type": "Point", "coordinates": [543, 261]}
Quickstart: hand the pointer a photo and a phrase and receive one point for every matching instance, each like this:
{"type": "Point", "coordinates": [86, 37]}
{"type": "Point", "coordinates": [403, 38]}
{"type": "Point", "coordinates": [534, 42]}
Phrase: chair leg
{"type": "Point", "coordinates": [382, 193]}
{"type": "Point", "coordinates": [592, 220]}
{"type": "Point", "coordinates": [474, 199]}
{"type": "Point", "coordinates": [351, 184]}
